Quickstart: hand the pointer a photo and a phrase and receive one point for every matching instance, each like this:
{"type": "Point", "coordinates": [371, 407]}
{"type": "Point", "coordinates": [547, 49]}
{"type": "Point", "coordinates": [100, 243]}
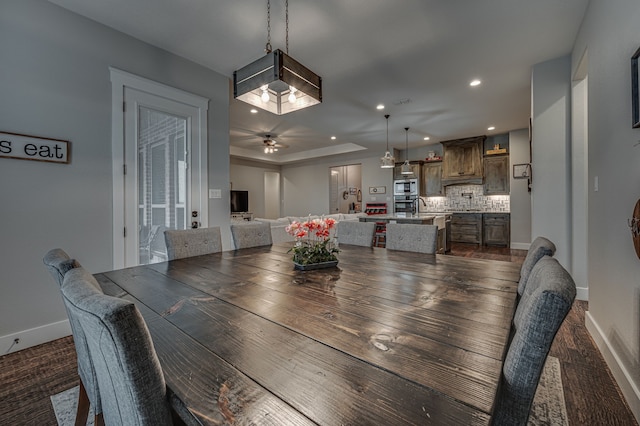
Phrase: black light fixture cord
{"type": "Point", "coordinates": [267, 48]}
{"type": "Point", "coordinates": [407, 143]}
{"type": "Point", "coordinates": [387, 117]}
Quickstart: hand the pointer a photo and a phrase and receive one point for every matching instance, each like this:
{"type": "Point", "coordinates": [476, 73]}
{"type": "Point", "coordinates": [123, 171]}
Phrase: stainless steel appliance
{"type": "Point", "coordinates": [406, 187]}
{"type": "Point", "coordinates": [405, 203]}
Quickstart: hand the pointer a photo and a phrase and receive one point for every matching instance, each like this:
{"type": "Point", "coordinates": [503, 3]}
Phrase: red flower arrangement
{"type": "Point", "coordinates": [314, 243]}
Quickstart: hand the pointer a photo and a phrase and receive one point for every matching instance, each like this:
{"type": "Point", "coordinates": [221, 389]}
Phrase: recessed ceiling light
{"type": "Point", "coordinates": [333, 138]}
{"type": "Point", "coordinates": [254, 111]}
{"type": "Point", "coordinates": [426, 138]}
{"type": "Point", "coordinates": [491, 128]}
{"type": "Point", "coordinates": [475, 82]}
{"type": "Point", "coordinates": [380, 106]}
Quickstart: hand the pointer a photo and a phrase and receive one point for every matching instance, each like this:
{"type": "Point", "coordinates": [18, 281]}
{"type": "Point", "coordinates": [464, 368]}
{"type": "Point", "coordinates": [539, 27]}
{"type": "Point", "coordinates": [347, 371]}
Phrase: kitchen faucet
{"type": "Point", "coordinates": [417, 205]}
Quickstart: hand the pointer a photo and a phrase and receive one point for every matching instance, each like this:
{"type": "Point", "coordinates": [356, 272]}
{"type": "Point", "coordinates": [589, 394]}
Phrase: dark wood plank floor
{"type": "Point", "coordinates": [29, 377]}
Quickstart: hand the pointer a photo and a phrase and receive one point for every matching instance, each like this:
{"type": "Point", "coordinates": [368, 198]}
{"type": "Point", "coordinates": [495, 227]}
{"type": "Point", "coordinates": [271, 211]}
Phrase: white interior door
{"type": "Point", "coordinates": [163, 181]}
{"type": "Point", "coordinates": [272, 195]}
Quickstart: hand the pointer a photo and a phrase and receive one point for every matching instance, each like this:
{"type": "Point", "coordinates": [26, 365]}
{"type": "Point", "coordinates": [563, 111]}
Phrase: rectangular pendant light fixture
{"type": "Point", "coordinates": [277, 83]}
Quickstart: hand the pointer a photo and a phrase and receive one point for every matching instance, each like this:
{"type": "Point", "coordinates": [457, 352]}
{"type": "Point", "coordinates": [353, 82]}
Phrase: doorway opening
{"type": "Point", "coordinates": [345, 189]}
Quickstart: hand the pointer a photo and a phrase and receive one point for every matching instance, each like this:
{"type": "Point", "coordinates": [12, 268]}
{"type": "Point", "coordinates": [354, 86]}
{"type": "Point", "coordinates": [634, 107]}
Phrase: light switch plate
{"type": "Point", "coordinates": [215, 193]}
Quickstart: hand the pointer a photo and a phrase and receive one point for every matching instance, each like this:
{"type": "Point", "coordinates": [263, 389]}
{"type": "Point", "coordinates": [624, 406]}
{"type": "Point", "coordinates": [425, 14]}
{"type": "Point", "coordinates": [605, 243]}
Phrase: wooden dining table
{"type": "Point", "coordinates": [385, 338]}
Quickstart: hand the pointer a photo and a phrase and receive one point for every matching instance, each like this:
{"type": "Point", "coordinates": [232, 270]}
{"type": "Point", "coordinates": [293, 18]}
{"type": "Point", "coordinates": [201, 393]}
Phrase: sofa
{"type": "Point", "coordinates": [278, 226]}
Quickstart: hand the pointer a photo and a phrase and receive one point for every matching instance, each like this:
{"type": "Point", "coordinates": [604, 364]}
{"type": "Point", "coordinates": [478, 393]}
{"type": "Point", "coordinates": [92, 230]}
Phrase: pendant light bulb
{"type": "Point", "coordinates": [387, 162]}
{"type": "Point", "coordinates": [292, 95]}
{"type": "Point", "coordinates": [406, 167]}
{"type": "Point", "coordinates": [265, 93]}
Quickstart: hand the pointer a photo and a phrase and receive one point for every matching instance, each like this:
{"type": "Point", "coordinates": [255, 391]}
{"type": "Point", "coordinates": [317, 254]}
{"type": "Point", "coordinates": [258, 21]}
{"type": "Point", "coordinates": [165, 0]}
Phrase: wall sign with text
{"type": "Point", "coordinates": [25, 147]}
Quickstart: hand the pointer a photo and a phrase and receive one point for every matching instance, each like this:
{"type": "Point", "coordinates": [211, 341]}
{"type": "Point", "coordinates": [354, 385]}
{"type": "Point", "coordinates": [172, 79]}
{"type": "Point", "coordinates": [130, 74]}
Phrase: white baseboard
{"type": "Point", "coordinates": [582, 293]}
{"type": "Point", "coordinates": [620, 373]}
{"type": "Point", "coordinates": [520, 246]}
{"type": "Point", "coordinates": [34, 336]}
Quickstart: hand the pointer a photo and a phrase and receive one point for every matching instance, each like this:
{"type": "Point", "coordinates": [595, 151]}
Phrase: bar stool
{"type": "Point", "coordinates": [380, 235]}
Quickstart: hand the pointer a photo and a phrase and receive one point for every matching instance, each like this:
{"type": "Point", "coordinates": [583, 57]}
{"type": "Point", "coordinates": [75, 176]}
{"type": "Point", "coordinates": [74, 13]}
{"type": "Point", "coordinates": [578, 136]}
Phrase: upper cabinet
{"type": "Point", "coordinates": [462, 161]}
{"type": "Point", "coordinates": [432, 179]}
{"type": "Point", "coordinates": [496, 172]}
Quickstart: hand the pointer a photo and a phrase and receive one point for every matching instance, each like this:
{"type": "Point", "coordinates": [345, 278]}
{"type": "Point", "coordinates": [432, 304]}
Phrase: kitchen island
{"type": "Point", "coordinates": [418, 218]}
{"type": "Point", "coordinates": [444, 243]}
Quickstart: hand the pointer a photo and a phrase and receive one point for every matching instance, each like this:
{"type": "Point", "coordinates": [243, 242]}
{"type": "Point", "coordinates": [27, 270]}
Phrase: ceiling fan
{"type": "Point", "coordinates": [271, 145]}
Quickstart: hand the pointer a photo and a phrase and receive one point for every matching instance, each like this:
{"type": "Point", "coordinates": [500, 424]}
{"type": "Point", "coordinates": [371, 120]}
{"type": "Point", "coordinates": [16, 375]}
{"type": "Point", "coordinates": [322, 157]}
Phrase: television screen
{"type": "Point", "coordinates": [239, 201]}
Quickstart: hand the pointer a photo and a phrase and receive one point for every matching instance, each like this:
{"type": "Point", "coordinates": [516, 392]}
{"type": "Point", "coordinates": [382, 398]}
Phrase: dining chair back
{"type": "Point", "coordinates": [132, 386]}
{"type": "Point", "coordinates": [356, 233]}
{"type": "Point", "coordinates": [542, 309]}
{"type": "Point", "coordinates": [540, 247]}
{"type": "Point", "coordinates": [412, 237]}
{"type": "Point", "coordinates": [183, 243]}
{"type": "Point", "coordinates": [251, 234]}
{"type": "Point", "coordinates": [59, 263]}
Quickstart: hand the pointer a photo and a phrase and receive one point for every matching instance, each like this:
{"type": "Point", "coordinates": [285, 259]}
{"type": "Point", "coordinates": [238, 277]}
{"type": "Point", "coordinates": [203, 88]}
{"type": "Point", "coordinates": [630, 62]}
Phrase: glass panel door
{"type": "Point", "coordinates": [162, 186]}
{"type": "Point", "coordinates": [162, 180]}
{"type": "Point", "coordinates": [159, 155]}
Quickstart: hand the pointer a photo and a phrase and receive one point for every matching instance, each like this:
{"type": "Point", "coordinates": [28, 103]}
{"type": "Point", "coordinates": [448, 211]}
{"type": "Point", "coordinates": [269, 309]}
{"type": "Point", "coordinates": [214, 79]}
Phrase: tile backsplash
{"type": "Point", "coordinates": [466, 197]}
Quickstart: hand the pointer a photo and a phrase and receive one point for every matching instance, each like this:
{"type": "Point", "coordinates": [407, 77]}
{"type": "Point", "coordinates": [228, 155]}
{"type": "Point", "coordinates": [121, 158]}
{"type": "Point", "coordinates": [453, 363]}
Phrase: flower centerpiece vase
{"type": "Point", "coordinates": [314, 247]}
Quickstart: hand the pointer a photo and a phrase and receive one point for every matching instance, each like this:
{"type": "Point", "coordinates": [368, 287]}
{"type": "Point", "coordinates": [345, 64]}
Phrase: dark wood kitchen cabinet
{"type": "Point", "coordinates": [466, 228]}
{"type": "Point", "coordinates": [496, 175]}
{"type": "Point", "coordinates": [496, 229]}
{"type": "Point", "coordinates": [462, 161]}
{"type": "Point", "coordinates": [432, 179]}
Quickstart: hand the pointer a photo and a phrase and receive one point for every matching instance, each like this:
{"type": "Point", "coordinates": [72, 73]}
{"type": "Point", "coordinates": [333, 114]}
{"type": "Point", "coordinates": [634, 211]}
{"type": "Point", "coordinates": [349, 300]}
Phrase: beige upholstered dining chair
{"type": "Point", "coordinates": [356, 233]}
{"type": "Point", "coordinates": [58, 263]}
{"type": "Point", "coordinates": [192, 242]}
{"type": "Point", "coordinates": [412, 237]}
{"type": "Point", "coordinates": [251, 234]}
{"type": "Point", "coordinates": [540, 247]}
{"type": "Point", "coordinates": [547, 299]}
{"type": "Point", "coordinates": [129, 375]}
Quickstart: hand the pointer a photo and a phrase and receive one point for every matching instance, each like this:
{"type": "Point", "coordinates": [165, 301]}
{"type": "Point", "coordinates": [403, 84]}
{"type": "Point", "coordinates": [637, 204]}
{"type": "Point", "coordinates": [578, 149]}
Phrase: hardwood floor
{"type": "Point", "coordinates": [591, 395]}
{"type": "Point", "coordinates": [29, 377]}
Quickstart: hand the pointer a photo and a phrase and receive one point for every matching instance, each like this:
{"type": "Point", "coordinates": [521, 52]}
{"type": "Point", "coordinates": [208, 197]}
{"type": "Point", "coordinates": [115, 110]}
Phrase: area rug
{"type": "Point", "coordinates": [65, 404]}
{"type": "Point", "coordinates": [548, 405]}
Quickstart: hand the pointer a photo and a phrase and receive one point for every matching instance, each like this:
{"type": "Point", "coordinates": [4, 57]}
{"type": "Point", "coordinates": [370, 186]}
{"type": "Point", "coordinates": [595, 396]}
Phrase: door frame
{"type": "Point", "coordinates": [119, 80]}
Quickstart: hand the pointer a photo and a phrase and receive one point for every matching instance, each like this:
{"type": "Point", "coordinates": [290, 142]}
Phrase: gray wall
{"type": "Point", "coordinates": [306, 186]}
{"type": "Point", "coordinates": [249, 176]}
{"type": "Point", "coordinates": [610, 34]}
{"type": "Point", "coordinates": [54, 80]}
{"type": "Point", "coordinates": [520, 197]}
{"type": "Point", "coordinates": [550, 193]}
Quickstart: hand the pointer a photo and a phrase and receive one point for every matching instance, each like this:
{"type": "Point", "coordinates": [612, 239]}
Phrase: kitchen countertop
{"type": "Point", "coordinates": [423, 218]}
{"type": "Point", "coordinates": [463, 211]}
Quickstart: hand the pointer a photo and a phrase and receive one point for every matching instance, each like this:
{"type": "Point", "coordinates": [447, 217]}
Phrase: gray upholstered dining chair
{"type": "Point", "coordinates": [540, 247]}
{"type": "Point", "coordinates": [58, 263]}
{"type": "Point", "coordinates": [251, 234]}
{"type": "Point", "coordinates": [356, 233]}
{"type": "Point", "coordinates": [132, 386]}
{"type": "Point", "coordinates": [192, 242]}
{"type": "Point", "coordinates": [412, 237]}
{"type": "Point", "coordinates": [543, 307]}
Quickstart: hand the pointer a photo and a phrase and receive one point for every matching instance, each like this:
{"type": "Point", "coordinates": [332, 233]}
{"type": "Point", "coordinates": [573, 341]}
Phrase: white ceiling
{"type": "Point", "coordinates": [367, 52]}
